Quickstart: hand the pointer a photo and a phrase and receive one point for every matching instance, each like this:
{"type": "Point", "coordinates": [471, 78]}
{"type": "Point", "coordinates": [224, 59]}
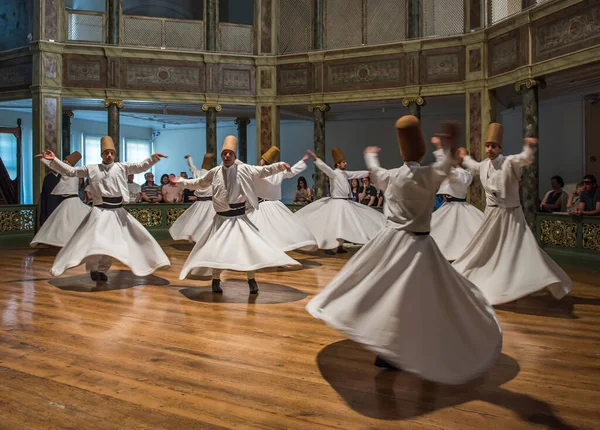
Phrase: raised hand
{"type": "Point", "coordinates": [372, 150]}
{"type": "Point", "coordinates": [461, 153]}
{"type": "Point", "coordinates": [436, 142]}
{"type": "Point", "coordinates": [159, 155]}
{"type": "Point", "coordinates": [47, 154]}
{"type": "Point", "coordinates": [187, 156]}
{"type": "Point", "coordinates": [312, 154]}
{"type": "Point", "coordinates": [530, 141]}
{"type": "Point", "coordinates": [305, 158]}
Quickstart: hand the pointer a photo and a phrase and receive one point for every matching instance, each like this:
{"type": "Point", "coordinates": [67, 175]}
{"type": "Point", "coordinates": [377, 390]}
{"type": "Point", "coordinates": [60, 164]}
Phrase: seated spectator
{"type": "Point", "coordinates": [302, 196]}
{"type": "Point", "coordinates": [150, 191]}
{"type": "Point", "coordinates": [188, 195]}
{"type": "Point", "coordinates": [556, 199]}
{"type": "Point", "coordinates": [368, 193]}
{"type": "Point", "coordinates": [171, 193]}
{"type": "Point", "coordinates": [135, 191]}
{"type": "Point", "coordinates": [355, 189]}
{"type": "Point", "coordinates": [590, 197]}
{"type": "Point", "coordinates": [574, 198]}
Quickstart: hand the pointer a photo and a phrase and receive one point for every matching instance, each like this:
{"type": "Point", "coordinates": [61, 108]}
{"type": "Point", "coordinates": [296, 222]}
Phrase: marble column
{"type": "Point", "coordinates": [114, 123]}
{"type": "Point", "coordinates": [318, 24]}
{"type": "Point", "coordinates": [242, 127]}
{"type": "Point", "coordinates": [212, 9]}
{"type": "Point", "coordinates": [474, 14]}
{"type": "Point", "coordinates": [414, 105]}
{"type": "Point", "coordinates": [531, 174]}
{"type": "Point", "coordinates": [527, 3]}
{"type": "Point", "coordinates": [66, 132]}
{"type": "Point", "coordinates": [318, 111]}
{"type": "Point", "coordinates": [414, 19]}
{"type": "Point", "coordinates": [211, 110]}
{"type": "Point", "coordinates": [114, 21]}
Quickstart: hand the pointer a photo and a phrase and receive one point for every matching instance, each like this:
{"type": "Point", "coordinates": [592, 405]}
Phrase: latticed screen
{"type": "Point", "coordinates": [442, 17]}
{"type": "Point", "coordinates": [295, 26]}
{"type": "Point", "coordinates": [235, 38]}
{"type": "Point", "coordinates": [343, 23]}
{"type": "Point", "coordinates": [142, 31]}
{"type": "Point", "coordinates": [386, 21]}
{"type": "Point", "coordinates": [85, 27]}
{"type": "Point", "coordinates": [500, 9]}
{"type": "Point", "coordinates": [184, 34]}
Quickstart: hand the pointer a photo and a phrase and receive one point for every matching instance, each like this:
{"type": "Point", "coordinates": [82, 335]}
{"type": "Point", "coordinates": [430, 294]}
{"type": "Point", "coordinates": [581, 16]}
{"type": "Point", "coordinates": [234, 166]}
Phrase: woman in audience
{"type": "Point", "coordinates": [555, 200]}
{"type": "Point", "coordinates": [355, 189]}
{"type": "Point", "coordinates": [575, 198]}
{"type": "Point", "coordinates": [303, 196]}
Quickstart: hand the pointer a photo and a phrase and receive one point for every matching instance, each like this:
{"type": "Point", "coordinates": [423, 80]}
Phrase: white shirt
{"type": "Point", "coordinates": [458, 180]}
{"type": "Point", "coordinates": [106, 180]}
{"type": "Point", "coordinates": [67, 186]}
{"type": "Point", "coordinates": [270, 188]}
{"type": "Point", "coordinates": [234, 184]}
{"type": "Point", "coordinates": [134, 190]}
{"type": "Point", "coordinates": [197, 173]}
{"type": "Point", "coordinates": [409, 191]}
{"type": "Point", "coordinates": [339, 180]}
{"type": "Point", "coordinates": [500, 178]}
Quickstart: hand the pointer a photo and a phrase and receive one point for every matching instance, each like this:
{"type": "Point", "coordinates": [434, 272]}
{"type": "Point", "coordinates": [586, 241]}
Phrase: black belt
{"type": "Point", "coordinates": [237, 209]}
{"type": "Point", "coordinates": [263, 200]}
{"type": "Point", "coordinates": [204, 199]}
{"type": "Point", "coordinates": [420, 233]}
{"type": "Point", "coordinates": [111, 203]}
{"type": "Point", "coordinates": [454, 199]}
{"type": "Point", "coordinates": [341, 198]}
{"type": "Point", "coordinates": [70, 196]}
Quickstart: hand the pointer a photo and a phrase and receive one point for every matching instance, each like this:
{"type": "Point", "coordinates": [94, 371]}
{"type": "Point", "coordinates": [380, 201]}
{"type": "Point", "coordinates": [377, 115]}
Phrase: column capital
{"type": "Point", "coordinates": [215, 106]}
{"type": "Point", "coordinates": [323, 107]}
{"type": "Point", "coordinates": [530, 83]}
{"type": "Point", "coordinates": [244, 121]}
{"type": "Point", "coordinates": [420, 101]}
{"type": "Point", "coordinates": [68, 113]}
{"type": "Point", "coordinates": [118, 103]}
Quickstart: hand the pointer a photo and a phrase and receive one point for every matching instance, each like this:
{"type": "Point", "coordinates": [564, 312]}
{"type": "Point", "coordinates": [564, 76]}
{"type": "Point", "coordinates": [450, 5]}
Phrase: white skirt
{"type": "Point", "coordinates": [332, 219]}
{"type": "Point", "coordinates": [279, 225]}
{"type": "Point", "coordinates": [114, 233]}
{"type": "Point", "coordinates": [505, 261]}
{"type": "Point", "coordinates": [62, 224]}
{"type": "Point", "coordinates": [400, 298]}
{"type": "Point", "coordinates": [453, 226]}
{"type": "Point", "coordinates": [194, 222]}
{"type": "Point", "coordinates": [234, 243]}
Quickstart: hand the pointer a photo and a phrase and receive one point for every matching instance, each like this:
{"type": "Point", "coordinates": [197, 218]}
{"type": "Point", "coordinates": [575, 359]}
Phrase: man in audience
{"type": "Point", "coordinates": [151, 191]}
{"type": "Point", "coordinates": [135, 191]}
{"type": "Point", "coordinates": [590, 197]}
{"type": "Point", "coordinates": [574, 198]}
{"type": "Point", "coordinates": [368, 195]}
{"type": "Point", "coordinates": [171, 193]}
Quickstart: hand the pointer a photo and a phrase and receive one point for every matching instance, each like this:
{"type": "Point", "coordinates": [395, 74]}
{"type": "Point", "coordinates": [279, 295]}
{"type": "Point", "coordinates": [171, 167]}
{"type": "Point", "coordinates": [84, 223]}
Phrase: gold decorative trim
{"type": "Point", "coordinates": [242, 121]}
{"type": "Point", "coordinates": [420, 101]}
{"type": "Point", "coordinates": [19, 220]}
{"type": "Point", "coordinates": [323, 107]}
{"type": "Point", "coordinates": [559, 233]}
{"type": "Point", "coordinates": [530, 83]}
{"type": "Point", "coordinates": [591, 236]}
{"type": "Point", "coordinates": [147, 217]}
{"type": "Point", "coordinates": [173, 214]}
{"type": "Point", "coordinates": [215, 106]}
{"type": "Point", "coordinates": [118, 103]}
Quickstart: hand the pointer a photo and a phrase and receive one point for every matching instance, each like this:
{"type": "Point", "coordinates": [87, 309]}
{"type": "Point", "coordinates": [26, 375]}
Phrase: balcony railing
{"type": "Point", "coordinates": [162, 32]}
{"type": "Point", "coordinates": [86, 26]}
{"type": "Point", "coordinates": [235, 38]}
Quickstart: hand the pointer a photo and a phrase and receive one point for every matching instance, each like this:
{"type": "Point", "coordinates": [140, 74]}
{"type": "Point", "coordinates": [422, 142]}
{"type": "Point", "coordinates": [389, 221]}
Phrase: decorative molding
{"type": "Point", "coordinates": [420, 101]}
{"type": "Point", "coordinates": [529, 83]}
{"type": "Point", "coordinates": [265, 80]}
{"type": "Point", "coordinates": [294, 79]}
{"type": "Point", "coordinates": [147, 217]}
{"type": "Point", "coordinates": [215, 106]}
{"type": "Point", "coordinates": [572, 29]}
{"type": "Point", "coordinates": [86, 71]}
{"type": "Point", "coordinates": [50, 67]}
{"type": "Point", "coordinates": [17, 220]}
{"type": "Point", "coordinates": [266, 128]}
{"type": "Point", "coordinates": [591, 236]}
{"type": "Point", "coordinates": [109, 102]}
{"type": "Point", "coordinates": [444, 65]}
{"type": "Point", "coordinates": [69, 113]}
{"type": "Point", "coordinates": [163, 75]}
{"type": "Point", "coordinates": [503, 53]}
{"type": "Point", "coordinates": [474, 60]}
{"type": "Point", "coordinates": [236, 79]}
{"type": "Point", "coordinates": [559, 233]}
{"type": "Point", "coordinates": [323, 107]}
{"type": "Point", "coordinates": [51, 20]}
{"type": "Point", "coordinates": [412, 72]}
{"type": "Point", "coordinates": [50, 118]}
{"type": "Point", "coordinates": [16, 74]}
{"type": "Point", "coordinates": [266, 36]}
{"type": "Point", "coordinates": [364, 73]}
{"type": "Point", "coordinates": [173, 214]}
{"type": "Point", "coordinates": [242, 121]}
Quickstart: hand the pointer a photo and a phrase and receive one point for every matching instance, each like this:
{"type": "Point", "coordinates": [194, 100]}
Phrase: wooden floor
{"type": "Point", "coordinates": [157, 352]}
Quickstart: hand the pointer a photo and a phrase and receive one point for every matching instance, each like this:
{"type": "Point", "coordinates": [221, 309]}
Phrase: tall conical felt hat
{"type": "Point", "coordinates": [209, 161]}
{"type": "Point", "coordinates": [410, 138]}
{"type": "Point", "coordinates": [337, 155]}
{"type": "Point", "coordinates": [495, 134]}
{"type": "Point", "coordinates": [107, 143]}
{"type": "Point", "coordinates": [230, 143]}
{"type": "Point", "coordinates": [271, 155]}
{"type": "Point", "coordinates": [73, 158]}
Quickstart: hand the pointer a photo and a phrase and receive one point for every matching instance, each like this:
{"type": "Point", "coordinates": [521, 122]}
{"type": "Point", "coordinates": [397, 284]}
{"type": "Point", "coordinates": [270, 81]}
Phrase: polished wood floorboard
{"type": "Point", "coordinates": [156, 352]}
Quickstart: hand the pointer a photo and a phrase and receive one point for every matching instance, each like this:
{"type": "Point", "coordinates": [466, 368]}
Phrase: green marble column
{"type": "Point", "coordinates": [242, 127]}
{"type": "Point", "coordinates": [414, 19]}
{"type": "Point", "coordinates": [318, 111]}
{"type": "Point", "coordinates": [211, 24]}
{"type": "Point", "coordinates": [114, 21]}
{"type": "Point", "coordinates": [66, 132]}
{"type": "Point", "coordinates": [414, 105]}
{"type": "Point", "coordinates": [318, 24]}
{"type": "Point", "coordinates": [114, 123]}
{"type": "Point", "coordinates": [211, 126]}
{"type": "Point", "coordinates": [531, 175]}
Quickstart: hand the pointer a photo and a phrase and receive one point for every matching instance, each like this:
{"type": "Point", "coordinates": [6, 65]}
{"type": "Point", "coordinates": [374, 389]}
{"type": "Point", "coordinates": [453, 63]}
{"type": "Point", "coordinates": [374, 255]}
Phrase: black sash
{"type": "Point", "coordinates": [70, 196]}
{"type": "Point", "coordinates": [420, 233]}
{"type": "Point", "coordinates": [454, 199]}
{"type": "Point", "coordinates": [111, 203]}
{"type": "Point", "coordinates": [341, 198]}
{"type": "Point", "coordinates": [204, 199]}
{"type": "Point", "coordinates": [237, 209]}
{"type": "Point", "coordinates": [262, 200]}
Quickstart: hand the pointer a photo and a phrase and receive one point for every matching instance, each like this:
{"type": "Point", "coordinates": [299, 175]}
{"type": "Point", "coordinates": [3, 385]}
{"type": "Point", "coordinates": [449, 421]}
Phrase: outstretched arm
{"type": "Point", "coordinates": [379, 176]}
{"type": "Point", "coordinates": [141, 167]}
{"type": "Point", "coordinates": [526, 157]}
{"type": "Point", "coordinates": [468, 162]}
{"type": "Point", "coordinates": [266, 171]}
{"type": "Point", "coordinates": [195, 171]}
{"type": "Point", "coordinates": [297, 168]}
{"type": "Point", "coordinates": [356, 174]}
{"type": "Point", "coordinates": [50, 160]}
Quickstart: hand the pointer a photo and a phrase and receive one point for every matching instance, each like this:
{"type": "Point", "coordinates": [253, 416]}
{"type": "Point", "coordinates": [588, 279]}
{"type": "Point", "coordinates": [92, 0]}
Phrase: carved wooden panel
{"type": "Point", "coordinates": [503, 53]}
{"type": "Point", "coordinates": [162, 75]}
{"type": "Point", "coordinates": [265, 79]}
{"type": "Point", "coordinates": [294, 78]}
{"type": "Point", "coordinates": [16, 74]}
{"type": "Point", "coordinates": [474, 60]}
{"type": "Point", "coordinates": [114, 72]}
{"type": "Point", "coordinates": [86, 71]}
{"type": "Point", "coordinates": [236, 79]}
{"type": "Point", "coordinates": [442, 65]}
{"type": "Point", "coordinates": [571, 29]}
{"type": "Point", "coordinates": [364, 73]}
{"type": "Point", "coordinates": [412, 65]}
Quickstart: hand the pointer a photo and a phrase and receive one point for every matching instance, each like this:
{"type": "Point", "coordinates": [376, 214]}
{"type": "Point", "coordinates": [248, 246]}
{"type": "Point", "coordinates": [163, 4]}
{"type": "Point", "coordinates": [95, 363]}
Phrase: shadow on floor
{"type": "Point", "coordinates": [380, 394]}
{"type": "Point", "coordinates": [546, 305]}
{"type": "Point", "coordinates": [236, 291]}
{"type": "Point", "coordinates": [117, 280]}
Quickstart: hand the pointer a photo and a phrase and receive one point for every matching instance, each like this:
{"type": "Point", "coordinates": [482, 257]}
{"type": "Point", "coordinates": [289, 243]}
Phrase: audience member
{"type": "Point", "coordinates": [150, 191]}
{"type": "Point", "coordinates": [171, 192]}
{"type": "Point", "coordinates": [590, 197]}
{"type": "Point", "coordinates": [556, 199]}
{"type": "Point", "coordinates": [355, 189]}
{"type": "Point", "coordinates": [302, 196]}
{"type": "Point", "coordinates": [368, 193]}
{"type": "Point", "coordinates": [575, 198]}
{"type": "Point", "coordinates": [135, 191]}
